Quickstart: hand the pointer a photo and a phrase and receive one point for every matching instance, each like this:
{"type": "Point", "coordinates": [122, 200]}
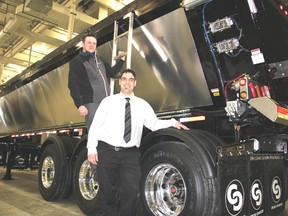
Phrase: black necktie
{"type": "Point", "coordinates": [127, 130]}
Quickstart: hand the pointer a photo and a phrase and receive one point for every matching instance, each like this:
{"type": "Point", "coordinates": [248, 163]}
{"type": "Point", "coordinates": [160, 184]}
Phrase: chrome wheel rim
{"type": "Point", "coordinates": [88, 183]}
{"type": "Point", "coordinates": [48, 172]}
{"type": "Point", "coordinates": [165, 190]}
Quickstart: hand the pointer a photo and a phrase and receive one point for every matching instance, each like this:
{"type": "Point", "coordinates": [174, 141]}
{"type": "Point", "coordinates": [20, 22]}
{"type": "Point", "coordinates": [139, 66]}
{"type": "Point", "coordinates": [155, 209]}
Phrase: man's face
{"type": "Point", "coordinates": [127, 83]}
{"type": "Point", "coordinates": [89, 45]}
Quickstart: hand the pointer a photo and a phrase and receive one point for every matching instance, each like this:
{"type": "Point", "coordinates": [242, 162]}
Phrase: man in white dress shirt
{"type": "Point", "coordinates": [118, 167]}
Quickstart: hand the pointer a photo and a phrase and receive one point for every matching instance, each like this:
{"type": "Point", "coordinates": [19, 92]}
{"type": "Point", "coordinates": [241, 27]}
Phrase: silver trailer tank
{"type": "Point", "coordinates": [169, 74]}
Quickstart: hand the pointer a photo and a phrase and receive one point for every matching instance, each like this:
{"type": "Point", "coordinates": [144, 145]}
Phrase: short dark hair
{"type": "Point", "coordinates": [128, 71]}
{"type": "Point", "coordinates": [88, 35]}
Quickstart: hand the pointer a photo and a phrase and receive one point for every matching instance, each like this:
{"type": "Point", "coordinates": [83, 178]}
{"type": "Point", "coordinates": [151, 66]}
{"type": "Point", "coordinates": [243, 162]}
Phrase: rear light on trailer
{"type": "Point", "coordinates": [267, 91]}
{"type": "Point", "coordinates": [243, 88]}
{"type": "Point", "coordinates": [242, 82]}
{"type": "Point", "coordinates": [243, 94]}
{"type": "Point", "coordinates": [252, 89]}
{"type": "Point", "coordinates": [263, 92]}
{"type": "Point", "coordinates": [247, 88]}
{"type": "Point", "coordinates": [257, 88]}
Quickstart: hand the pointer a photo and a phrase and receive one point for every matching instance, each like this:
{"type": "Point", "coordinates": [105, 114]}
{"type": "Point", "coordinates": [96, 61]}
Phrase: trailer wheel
{"type": "Point", "coordinates": [86, 185]}
{"type": "Point", "coordinates": [173, 183]}
{"type": "Point", "coordinates": [50, 174]}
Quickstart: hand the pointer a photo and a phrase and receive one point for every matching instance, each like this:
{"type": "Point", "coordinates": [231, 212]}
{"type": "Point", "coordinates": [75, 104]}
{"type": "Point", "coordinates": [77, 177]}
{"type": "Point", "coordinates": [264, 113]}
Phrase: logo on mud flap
{"type": "Point", "coordinates": [234, 197]}
{"type": "Point", "coordinates": [276, 189]}
{"type": "Point", "coordinates": [256, 194]}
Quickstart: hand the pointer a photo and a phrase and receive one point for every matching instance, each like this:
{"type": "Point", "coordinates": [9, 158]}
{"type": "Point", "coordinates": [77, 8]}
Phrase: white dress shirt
{"type": "Point", "coordinates": [108, 122]}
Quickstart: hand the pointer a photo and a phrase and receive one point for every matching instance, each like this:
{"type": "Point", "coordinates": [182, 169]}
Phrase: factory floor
{"type": "Point", "coordinates": [20, 197]}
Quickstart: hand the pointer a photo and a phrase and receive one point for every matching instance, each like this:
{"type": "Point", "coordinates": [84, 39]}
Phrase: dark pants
{"type": "Point", "coordinates": [91, 107]}
{"type": "Point", "coordinates": [118, 176]}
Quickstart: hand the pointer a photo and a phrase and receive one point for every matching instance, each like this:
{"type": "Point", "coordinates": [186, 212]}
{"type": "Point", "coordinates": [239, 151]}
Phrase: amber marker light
{"type": "Point", "coordinates": [243, 94]}
{"type": "Point", "coordinates": [192, 119]}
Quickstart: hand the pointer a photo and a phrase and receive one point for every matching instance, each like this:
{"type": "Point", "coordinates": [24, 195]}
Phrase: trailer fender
{"type": "Point", "coordinates": [65, 145]}
{"type": "Point", "coordinates": [202, 143]}
{"type": "Point", "coordinates": [80, 145]}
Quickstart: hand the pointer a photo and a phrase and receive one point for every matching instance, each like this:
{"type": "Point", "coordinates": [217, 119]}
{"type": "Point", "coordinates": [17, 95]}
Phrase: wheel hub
{"type": "Point", "coordinates": [165, 190]}
{"type": "Point", "coordinates": [88, 183]}
{"type": "Point", "coordinates": [48, 172]}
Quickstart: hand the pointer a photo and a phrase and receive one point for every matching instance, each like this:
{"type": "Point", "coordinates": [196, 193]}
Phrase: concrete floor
{"type": "Point", "coordinates": [20, 197]}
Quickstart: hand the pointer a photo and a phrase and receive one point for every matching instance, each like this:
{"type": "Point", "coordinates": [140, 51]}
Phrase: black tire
{"type": "Point", "coordinates": [182, 190]}
{"type": "Point", "coordinates": [85, 185]}
{"type": "Point", "coordinates": [51, 175]}
{"type": "Point", "coordinates": [68, 185]}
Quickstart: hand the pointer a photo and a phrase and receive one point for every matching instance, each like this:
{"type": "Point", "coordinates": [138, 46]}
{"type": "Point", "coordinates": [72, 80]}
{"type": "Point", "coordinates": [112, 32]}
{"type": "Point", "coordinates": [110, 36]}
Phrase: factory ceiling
{"type": "Point", "coordinates": [31, 29]}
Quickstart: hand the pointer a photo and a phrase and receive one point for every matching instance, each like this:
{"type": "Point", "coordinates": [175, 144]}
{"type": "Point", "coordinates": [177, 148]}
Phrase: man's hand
{"type": "Point", "coordinates": [179, 125]}
{"type": "Point", "coordinates": [83, 110]}
{"type": "Point", "coordinates": [93, 158]}
{"type": "Point", "coordinates": [121, 55]}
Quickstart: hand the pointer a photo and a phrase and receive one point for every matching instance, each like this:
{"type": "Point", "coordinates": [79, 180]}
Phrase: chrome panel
{"type": "Point", "coordinates": [58, 98]}
{"type": "Point", "coordinates": [7, 123]}
{"type": "Point", "coordinates": [167, 64]}
{"type": "Point", "coordinates": [44, 103]}
{"type": "Point", "coordinates": [169, 74]}
{"type": "Point", "coordinates": [31, 103]}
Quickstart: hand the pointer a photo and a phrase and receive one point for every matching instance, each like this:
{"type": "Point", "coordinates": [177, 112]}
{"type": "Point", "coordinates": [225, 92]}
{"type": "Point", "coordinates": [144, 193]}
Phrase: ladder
{"type": "Point", "coordinates": [128, 53]}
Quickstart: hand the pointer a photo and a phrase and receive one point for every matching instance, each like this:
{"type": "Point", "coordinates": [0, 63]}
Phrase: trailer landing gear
{"type": "Point", "coordinates": [9, 160]}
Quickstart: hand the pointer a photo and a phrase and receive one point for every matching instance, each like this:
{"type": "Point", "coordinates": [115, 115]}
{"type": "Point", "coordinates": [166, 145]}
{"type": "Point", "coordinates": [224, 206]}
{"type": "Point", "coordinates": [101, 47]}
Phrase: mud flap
{"type": "Point", "coordinates": [251, 184]}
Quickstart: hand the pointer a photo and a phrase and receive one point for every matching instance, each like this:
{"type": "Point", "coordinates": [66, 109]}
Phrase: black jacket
{"type": "Point", "coordinates": [87, 79]}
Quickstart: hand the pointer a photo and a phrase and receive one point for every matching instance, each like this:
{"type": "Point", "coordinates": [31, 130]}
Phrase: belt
{"type": "Point", "coordinates": [116, 148]}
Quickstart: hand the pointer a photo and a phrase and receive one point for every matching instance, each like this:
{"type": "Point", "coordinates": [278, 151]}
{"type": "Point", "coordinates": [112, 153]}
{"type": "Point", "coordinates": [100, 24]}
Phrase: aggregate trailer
{"type": "Point", "coordinates": [218, 66]}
